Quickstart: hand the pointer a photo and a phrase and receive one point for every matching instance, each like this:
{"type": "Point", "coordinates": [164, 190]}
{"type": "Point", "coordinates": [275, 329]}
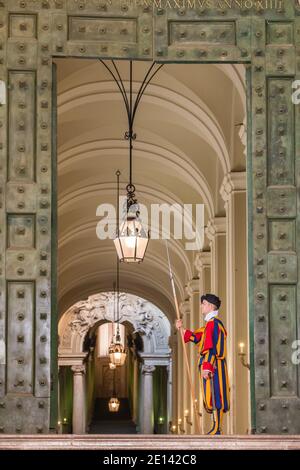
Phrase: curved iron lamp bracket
{"type": "Point", "coordinates": [131, 107]}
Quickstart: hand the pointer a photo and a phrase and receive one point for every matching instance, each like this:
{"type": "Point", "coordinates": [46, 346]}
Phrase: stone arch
{"type": "Point", "coordinates": [147, 320]}
{"type": "Point", "coordinates": [145, 317]}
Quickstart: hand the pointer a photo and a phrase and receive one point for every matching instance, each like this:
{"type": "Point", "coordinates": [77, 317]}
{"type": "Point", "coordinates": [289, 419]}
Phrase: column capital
{"type": "Point", "coordinates": [234, 181]}
{"type": "Point", "coordinates": [78, 370]}
{"type": "Point", "coordinates": [185, 308]}
{"type": "Point", "coordinates": [202, 260]}
{"type": "Point", "coordinates": [193, 286]}
{"type": "Point", "coordinates": [215, 226]}
{"type": "Point", "coordinates": [148, 369]}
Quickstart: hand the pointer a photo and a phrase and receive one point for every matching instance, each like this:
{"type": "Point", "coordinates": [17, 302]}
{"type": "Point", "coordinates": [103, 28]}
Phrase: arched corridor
{"type": "Point", "coordinates": [208, 161]}
{"type": "Point", "coordinates": [190, 149]}
{"type": "Point", "coordinates": [143, 384]}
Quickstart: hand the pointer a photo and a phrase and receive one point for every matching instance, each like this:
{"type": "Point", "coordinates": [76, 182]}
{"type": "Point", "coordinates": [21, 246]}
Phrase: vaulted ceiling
{"type": "Point", "coordinates": [187, 129]}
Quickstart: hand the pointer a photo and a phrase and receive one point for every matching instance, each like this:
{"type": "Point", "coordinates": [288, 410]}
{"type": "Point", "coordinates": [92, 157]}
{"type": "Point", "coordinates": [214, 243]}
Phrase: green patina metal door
{"type": "Point", "coordinates": [32, 32]}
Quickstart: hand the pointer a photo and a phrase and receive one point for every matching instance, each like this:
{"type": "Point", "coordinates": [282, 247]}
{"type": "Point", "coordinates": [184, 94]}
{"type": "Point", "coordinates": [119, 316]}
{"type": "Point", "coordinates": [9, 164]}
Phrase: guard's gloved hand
{"type": "Point", "coordinates": [206, 374]}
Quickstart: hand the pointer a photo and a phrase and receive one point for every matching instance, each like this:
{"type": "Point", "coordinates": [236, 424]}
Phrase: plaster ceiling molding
{"type": "Point", "coordinates": [73, 230]}
{"type": "Point", "coordinates": [155, 259]}
{"type": "Point", "coordinates": [190, 113]}
{"type": "Point", "coordinates": [73, 203]}
{"type": "Point", "coordinates": [160, 137]}
{"type": "Point", "coordinates": [193, 286]}
{"type": "Point", "coordinates": [179, 164]}
{"type": "Point", "coordinates": [108, 87]}
{"type": "Point", "coordinates": [158, 232]}
{"type": "Point", "coordinates": [155, 193]}
{"type": "Point", "coordinates": [237, 74]}
{"type": "Point", "coordinates": [153, 265]}
{"type": "Point", "coordinates": [72, 74]}
{"type": "Point", "coordinates": [215, 227]}
{"type": "Point", "coordinates": [202, 260]}
{"type": "Point", "coordinates": [146, 319]}
{"type": "Point", "coordinates": [175, 246]}
{"type": "Point", "coordinates": [233, 182]}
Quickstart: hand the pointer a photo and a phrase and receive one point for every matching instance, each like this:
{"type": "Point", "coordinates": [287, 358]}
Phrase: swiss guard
{"type": "Point", "coordinates": [211, 341]}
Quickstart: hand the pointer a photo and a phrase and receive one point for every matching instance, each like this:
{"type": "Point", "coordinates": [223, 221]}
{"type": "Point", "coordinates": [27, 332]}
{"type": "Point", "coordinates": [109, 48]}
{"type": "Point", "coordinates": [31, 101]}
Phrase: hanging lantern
{"type": "Point", "coordinates": [114, 405]}
{"type": "Point", "coordinates": [132, 239]}
{"type": "Point", "coordinates": [117, 352]}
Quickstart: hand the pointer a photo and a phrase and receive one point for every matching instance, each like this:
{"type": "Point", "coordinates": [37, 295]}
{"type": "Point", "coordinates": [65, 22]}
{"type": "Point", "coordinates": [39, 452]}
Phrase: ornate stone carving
{"type": "Point", "coordinates": [148, 369]}
{"type": "Point", "coordinates": [78, 370]}
{"type": "Point", "coordinates": [145, 317]}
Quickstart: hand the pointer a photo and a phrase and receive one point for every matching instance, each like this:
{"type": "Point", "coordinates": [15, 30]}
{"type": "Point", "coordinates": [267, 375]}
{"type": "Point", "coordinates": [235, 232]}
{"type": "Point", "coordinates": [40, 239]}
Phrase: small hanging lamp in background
{"type": "Point", "coordinates": [112, 365]}
{"type": "Point", "coordinates": [131, 238]}
{"type": "Point", "coordinates": [117, 351]}
{"type": "Point", "coordinates": [114, 403]}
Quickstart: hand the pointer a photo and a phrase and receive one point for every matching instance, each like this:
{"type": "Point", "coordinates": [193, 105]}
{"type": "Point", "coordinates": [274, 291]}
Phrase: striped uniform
{"type": "Point", "coordinates": [211, 341]}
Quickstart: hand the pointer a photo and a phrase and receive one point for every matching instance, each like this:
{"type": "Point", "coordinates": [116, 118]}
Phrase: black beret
{"type": "Point", "coordinates": [212, 299]}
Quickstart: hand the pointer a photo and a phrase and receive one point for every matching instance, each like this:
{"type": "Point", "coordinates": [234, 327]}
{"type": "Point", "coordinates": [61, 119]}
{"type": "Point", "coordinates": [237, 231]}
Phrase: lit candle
{"type": "Point", "coordinates": [241, 345]}
{"type": "Point", "coordinates": [179, 420]}
{"type": "Point", "coordinates": [186, 413]}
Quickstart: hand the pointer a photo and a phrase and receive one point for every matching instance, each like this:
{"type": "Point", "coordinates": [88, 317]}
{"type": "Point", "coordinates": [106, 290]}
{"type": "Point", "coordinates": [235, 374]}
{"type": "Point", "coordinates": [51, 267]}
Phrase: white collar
{"type": "Point", "coordinates": [211, 315]}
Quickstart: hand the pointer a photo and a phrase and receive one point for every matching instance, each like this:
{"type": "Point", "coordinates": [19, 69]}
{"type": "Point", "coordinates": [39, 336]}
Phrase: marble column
{"type": "Point", "coordinates": [174, 346]}
{"type": "Point", "coordinates": [195, 322]}
{"type": "Point", "coordinates": [169, 394]}
{"type": "Point", "coordinates": [216, 233]}
{"type": "Point", "coordinates": [78, 399]}
{"type": "Point", "coordinates": [185, 310]}
{"type": "Point", "coordinates": [135, 390]}
{"type": "Point", "coordinates": [179, 366]}
{"type": "Point", "coordinates": [203, 266]}
{"type": "Point", "coordinates": [59, 423]}
{"type": "Point", "coordinates": [233, 192]}
{"type": "Point", "coordinates": [141, 398]}
{"type": "Point", "coordinates": [147, 423]}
